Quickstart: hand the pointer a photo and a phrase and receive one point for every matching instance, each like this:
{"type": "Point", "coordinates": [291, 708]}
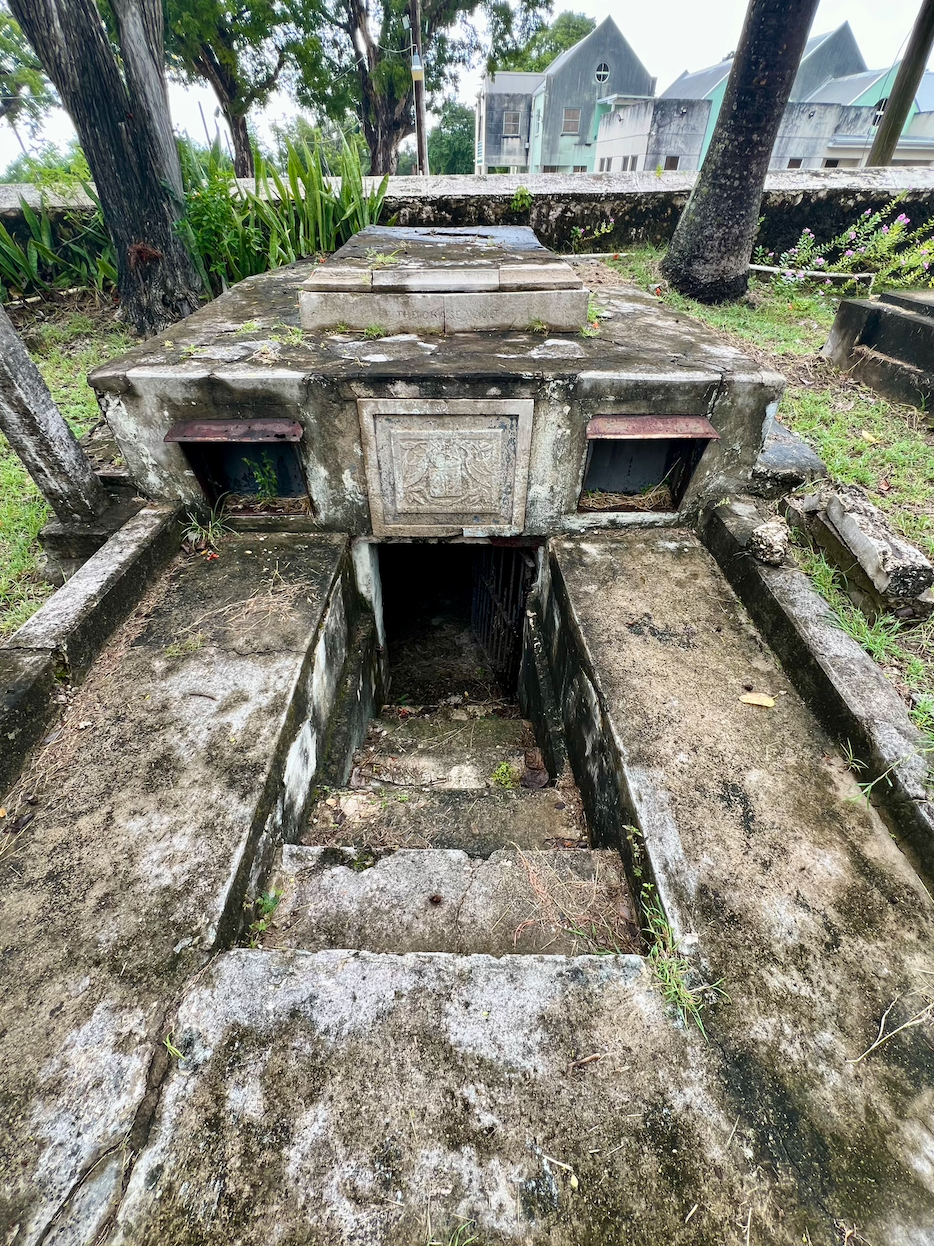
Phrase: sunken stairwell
{"type": "Point", "coordinates": [451, 835]}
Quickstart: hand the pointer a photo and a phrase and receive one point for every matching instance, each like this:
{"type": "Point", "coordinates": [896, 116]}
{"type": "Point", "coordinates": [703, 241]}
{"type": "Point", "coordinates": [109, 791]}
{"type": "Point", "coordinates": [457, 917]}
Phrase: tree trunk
{"type": "Point", "coordinates": [37, 431]}
{"type": "Point", "coordinates": [125, 146]}
{"type": "Point", "coordinates": [709, 255]}
{"type": "Point", "coordinates": [243, 152]}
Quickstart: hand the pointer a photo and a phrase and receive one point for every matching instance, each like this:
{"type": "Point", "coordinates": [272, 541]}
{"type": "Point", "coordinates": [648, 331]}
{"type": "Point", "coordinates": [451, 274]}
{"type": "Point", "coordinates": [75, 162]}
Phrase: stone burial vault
{"type": "Point", "coordinates": [459, 838]}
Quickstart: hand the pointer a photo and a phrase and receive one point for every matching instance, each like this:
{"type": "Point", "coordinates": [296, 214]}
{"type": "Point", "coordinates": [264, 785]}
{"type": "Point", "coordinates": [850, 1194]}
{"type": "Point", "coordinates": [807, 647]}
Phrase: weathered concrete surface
{"type": "Point", "coordinates": [888, 344]}
{"type": "Point", "coordinates": [798, 895]}
{"type": "Point", "coordinates": [186, 755]}
{"type": "Point", "coordinates": [882, 571]}
{"type": "Point", "coordinates": [786, 462]}
{"type": "Point", "coordinates": [565, 902]}
{"type": "Point", "coordinates": [26, 684]}
{"type": "Point", "coordinates": [75, 622]}
{"type": "Point", "coordinates": [235, 359]}
{"type": "Point", "coordinates": [845, 688]}
{"type": "Point", "coordinates": [478, 820]}
{"type": "Point", "coordinates": [439, 750]}
{"type": "Point", "coordinates": [67, 547]}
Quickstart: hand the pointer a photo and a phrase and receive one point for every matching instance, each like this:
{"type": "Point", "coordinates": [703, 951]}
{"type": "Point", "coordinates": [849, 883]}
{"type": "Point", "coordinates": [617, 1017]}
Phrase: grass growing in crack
{"type": "Point", "coordinates": [263, 906]}
{"type": "Point", "coordinates": [178, 648]}
{"type": "Point", "coordinates": [205, 534]}
{"type": "Point", "coordinates": [373, 331]}
{"type": "Point", "coordinates": [672, 970]}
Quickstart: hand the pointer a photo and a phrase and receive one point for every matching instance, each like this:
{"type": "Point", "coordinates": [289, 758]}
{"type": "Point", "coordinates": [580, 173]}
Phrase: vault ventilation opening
{"type": "Point", "coordinates": [253, 465]}
{"type": "Point", "coordinates": [642, 462]}
{"type": "Point", "coordinates": [454, 617]}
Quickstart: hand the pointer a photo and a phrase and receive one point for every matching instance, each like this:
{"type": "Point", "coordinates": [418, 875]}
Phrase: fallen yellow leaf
{"type": "Point", "coordinates": [758, 698]}
{"type": "Point", "coordinates": [2, 813]}
{"type": "Point", "coordinates": [873, 441]}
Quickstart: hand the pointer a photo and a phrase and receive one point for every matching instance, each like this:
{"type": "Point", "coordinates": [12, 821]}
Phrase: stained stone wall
{"type": "Point", "coordinates": [644, 206]}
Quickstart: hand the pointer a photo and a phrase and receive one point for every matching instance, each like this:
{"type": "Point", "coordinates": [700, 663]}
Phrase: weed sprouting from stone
{"type": "Point", "coordinates": [673, 971]}
{"type": "Point", "coordinates": [179, 648]}
{"type": "Point", "coordinates": [521, 200]}
{"type": "Point", "coordinates": [373, 331]}
{"type": "Point", "coordinates": [265, 477]}
{"type": "Point", "coordinates": [850, 759]}
{"type": "Point", "coordinates": [537, 326]}
{"type": "Point", "coordinates": [171, 1048]}
{"type": "Point", "coordinates": [504, 776]}
{"type": "Point", "coordinates": [204, 535]}
{"type": "Point", "coordinates": [263, 906]}
{"type": "Point", "coordinates": [381, 259]}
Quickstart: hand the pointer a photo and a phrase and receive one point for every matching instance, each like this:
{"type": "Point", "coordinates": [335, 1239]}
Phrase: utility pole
{"type": "Point", "coordinates": [418, 79]}
{"type": "Point", "coordinates": [905, 87]}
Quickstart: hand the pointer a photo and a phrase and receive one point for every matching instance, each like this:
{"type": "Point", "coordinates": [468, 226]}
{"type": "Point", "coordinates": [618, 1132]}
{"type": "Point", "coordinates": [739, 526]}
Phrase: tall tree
{"type": "Point", "coordinates": [549, 41]}
{"type": "Point", "coordinates": [120, 110]}
{"type": "Point", "coordinates": [366, 47]}
{"type": "Point", "coordinates": [450, 143]}
{"type": "Point", "coordinates": [708, 258]}
{"type": "Point", "coordinates": [26, 94]}
{"type": "Point", "coordinates": [244, 52]}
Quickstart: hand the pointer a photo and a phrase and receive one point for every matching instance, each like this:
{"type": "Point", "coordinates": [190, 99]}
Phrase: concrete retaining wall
{"type": "Point", "coordinates": [645, 206]}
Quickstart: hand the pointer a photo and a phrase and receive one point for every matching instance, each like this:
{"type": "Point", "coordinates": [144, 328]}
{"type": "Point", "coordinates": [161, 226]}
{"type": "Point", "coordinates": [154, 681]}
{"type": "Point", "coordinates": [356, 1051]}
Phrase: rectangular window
{"type": "Point", "coordinates": [795, 163]}
{"type": "Point", "coordinates": [549, 168]}
{"type": "Point", "coordinates": [571, 121]}
{"type": "Point", "coordinates": [633, 163]}
{"type": "Point", "coordinates": [671, 163]}
{"type": "Point", "coordinates": [580, 168]}
{"type": "Point", "coordinates": [624, 164]}
{"type": "Point", "coordinates": [538, 123]}
{"type": "Point", "coordinates": [510, 125]}
{"type": "Point", "coordinates": [831, 164]}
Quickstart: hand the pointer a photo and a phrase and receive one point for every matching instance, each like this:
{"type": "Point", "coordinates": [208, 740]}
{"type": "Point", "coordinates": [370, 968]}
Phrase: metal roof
{"type": "Point", "coordinates": [697, 86]}
{"type": "Point", "coordinates": [845, 90]}
{"type": "Point", "coordinates": [511, 82]}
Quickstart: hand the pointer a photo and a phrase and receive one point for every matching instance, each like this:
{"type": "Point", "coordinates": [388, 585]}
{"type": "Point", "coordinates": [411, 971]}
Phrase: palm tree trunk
{"type": "Point", "coordinates": [709, 254]}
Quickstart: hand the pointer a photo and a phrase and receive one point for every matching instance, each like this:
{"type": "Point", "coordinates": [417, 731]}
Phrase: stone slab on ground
{"type": "Point", "coordinates": [799, 897]}
{"type": "Point", "coordinates": [152, 796]}
{"type": "Point", "coordinates": [27, 680]}
{"type": "Point", "coordinates": [440, 751]}
{"type": "Point", "coordinates": [785, 463]}
{"type": "Point", "coordinates": [566, 902]}
{"type": "Point", "coordinates": [478, 820]}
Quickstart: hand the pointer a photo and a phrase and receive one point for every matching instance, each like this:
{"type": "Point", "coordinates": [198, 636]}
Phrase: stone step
{"type": "Point", "coordinates": [478, 821]}
{"type": "Point", "coordinates": [567, 902]}
{"type": "Point", "coordinates": [351, 1096]}
{"type": "Point", "coordinates": [453, 748]}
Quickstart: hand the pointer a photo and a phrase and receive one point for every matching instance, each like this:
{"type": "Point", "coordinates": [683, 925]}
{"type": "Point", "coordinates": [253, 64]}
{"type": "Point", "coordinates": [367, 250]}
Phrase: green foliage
{"type": "Point", "coordinates": [263, 907]}
{"type": "Point", "coordinates": [236, 232]}
{"type": "Point", "coordinates": [583, 237]}
{"type": "Point", "coordinates": [265, 476]}
{"type": "Point", "coordinates": [504, 776]}
{"type": "Point", "coordinates": [26, 95]}
{"type": "Point", "coordinates": [548, 41]}
{"type": "Point", "coordinates": [521, 200]}
{"type": "Point", "coordinates": [205, 533]}
{"type": "Point", "coordinates": [76, 252]}
{"type": "Point", "coordinates": [50, 167]}
{"type": "Point", "coordinates": [373, 331]}
{"type": "Point", "coordinates": [451, 142]}
{"type": "Point", "coordinates": [877, 242]}
{"type": "Point", "coordinates": [675, 974]}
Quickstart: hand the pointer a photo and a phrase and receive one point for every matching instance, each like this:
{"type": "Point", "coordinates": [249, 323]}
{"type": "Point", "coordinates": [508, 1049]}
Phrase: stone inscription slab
{"type": "Point", "coordinates": [435, 467]}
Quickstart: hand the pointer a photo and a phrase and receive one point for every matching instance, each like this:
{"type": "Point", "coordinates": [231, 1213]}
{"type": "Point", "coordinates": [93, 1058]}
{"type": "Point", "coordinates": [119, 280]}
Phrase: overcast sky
{"type": "Point", "coordinates": [668, 36]}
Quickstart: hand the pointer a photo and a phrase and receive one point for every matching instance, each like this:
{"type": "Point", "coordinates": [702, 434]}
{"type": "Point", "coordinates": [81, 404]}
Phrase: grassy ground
{"type": "Point", "coordinates": [863, 439]}
{"type": "Point", "coordinates": [66, 343]}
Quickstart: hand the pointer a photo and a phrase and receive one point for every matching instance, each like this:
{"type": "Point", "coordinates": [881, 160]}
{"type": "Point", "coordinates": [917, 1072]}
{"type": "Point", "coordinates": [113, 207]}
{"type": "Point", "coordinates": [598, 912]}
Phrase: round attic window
{"type": "Point", "coordinates": [602, 72]}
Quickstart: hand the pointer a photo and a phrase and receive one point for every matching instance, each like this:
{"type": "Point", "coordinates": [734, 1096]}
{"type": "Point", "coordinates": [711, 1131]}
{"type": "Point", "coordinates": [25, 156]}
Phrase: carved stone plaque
{"type": "Point", "coordinates": [436, 467]}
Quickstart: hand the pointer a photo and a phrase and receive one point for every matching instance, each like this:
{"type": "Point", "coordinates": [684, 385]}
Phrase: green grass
{"type": "Point", "coordinates": [864, 440]}
{"type": "Point", "coordinates": [65, 349]}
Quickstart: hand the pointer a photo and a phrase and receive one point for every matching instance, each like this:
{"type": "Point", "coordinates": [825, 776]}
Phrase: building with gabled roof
{"type": "Point", "coordinates": [547, 122]}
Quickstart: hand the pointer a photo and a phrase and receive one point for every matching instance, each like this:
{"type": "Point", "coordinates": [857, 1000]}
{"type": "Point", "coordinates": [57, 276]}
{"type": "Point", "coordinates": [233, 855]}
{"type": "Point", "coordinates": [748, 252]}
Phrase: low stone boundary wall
{"type": "Point", "coordinates": [644, 207]}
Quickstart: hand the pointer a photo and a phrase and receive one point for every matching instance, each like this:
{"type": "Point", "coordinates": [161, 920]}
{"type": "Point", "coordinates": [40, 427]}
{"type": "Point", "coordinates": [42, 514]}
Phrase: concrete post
{"type": "Point", "coordinates": [906, 84]}
{"type": "Point", "coordinates": [37, 431]}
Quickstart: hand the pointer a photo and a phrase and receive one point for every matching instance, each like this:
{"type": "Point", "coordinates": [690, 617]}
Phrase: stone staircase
{"type": "Point", "coordinates": [450, 838]}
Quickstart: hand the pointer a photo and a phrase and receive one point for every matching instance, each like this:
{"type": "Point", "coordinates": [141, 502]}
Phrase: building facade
{"type": "Point", "coordinates": [548, 122]}
{"type": "Point", "coordinates": [594, 110]}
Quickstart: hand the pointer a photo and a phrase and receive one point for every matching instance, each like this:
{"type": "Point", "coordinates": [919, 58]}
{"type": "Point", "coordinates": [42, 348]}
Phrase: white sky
{"type": "Point", "coordinates": [668, 36]}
